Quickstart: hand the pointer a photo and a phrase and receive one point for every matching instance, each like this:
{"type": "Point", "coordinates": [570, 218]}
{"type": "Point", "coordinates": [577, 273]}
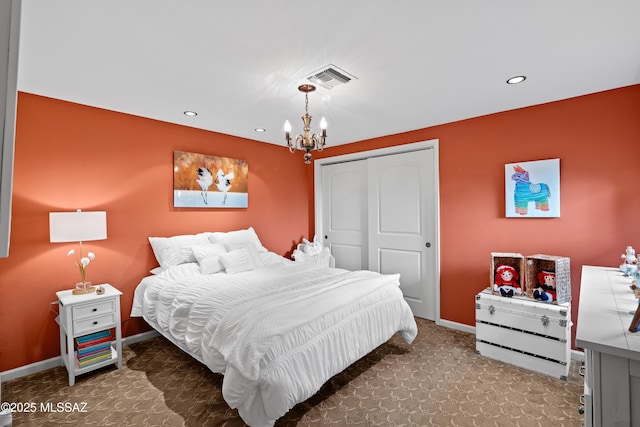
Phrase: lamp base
{"type": "Point", "coordinates": [83, 288]}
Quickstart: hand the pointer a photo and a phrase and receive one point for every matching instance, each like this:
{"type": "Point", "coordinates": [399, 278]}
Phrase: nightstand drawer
{"type": "Point", "coordinates": [91, 324]}
{"type": "Point", "coordinates": [93, 309]}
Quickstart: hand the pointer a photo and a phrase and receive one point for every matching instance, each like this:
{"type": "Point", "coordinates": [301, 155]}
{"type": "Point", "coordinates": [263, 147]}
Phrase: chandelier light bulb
{"type": "Point", "coordinates": [323, 124]}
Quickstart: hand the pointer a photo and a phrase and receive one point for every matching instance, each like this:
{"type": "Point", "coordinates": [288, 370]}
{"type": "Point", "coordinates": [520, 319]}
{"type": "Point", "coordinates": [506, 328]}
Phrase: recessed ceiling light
{"type": "Point", "coordinates": [516, 80]}
{"type": "Point", "coordinates": [190, 113]}
{"type": "Point", "coordinates": [260, 129]}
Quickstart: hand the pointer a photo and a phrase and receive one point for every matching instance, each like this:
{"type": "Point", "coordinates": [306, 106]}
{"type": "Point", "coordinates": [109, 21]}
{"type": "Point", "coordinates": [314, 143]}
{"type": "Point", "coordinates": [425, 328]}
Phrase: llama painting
{"type": "Point", "coordinates": [533, 189]}
{"type": "Point", "coordinates": [203, 181]}
{"type": "Point", "coordinates": [526, 192]}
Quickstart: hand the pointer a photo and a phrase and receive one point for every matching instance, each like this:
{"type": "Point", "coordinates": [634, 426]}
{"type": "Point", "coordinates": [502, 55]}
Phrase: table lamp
{"type": "Point", "coordinates": [79, 227]}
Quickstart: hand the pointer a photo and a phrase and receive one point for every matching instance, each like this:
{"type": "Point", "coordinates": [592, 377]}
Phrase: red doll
{"type": "Point", "coordinates": [506, 281]}
{"type": "Point", "coordinates": [546, 289]}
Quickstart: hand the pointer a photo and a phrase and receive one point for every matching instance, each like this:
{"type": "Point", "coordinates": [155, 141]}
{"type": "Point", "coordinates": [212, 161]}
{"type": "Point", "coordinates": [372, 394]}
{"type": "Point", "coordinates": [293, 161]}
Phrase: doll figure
{"type": "Point", "coordinates": [546, 289]}
{"type": "Point", "coordinates": [629, 262]}
{"type": "Point", "coordinates": [506, 281]}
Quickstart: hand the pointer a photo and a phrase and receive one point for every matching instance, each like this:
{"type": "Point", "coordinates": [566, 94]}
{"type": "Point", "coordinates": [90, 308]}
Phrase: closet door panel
{"type": "Point", "coordinates": [399, 234]}
{"type": "Point", "coordinates": [409, 263]}
{"type": "Point", "coordinates": [399, 200]}
{"type": "Point", "coordinates": [348, 257]}
{"type": "Point", "coordinates": [344, 203]}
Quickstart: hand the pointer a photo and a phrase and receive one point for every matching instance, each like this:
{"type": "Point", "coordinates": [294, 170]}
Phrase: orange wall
{"type": "Point", "coordinates": [70, 156]}
{"type": "Point", "coordinates": [596, 137]}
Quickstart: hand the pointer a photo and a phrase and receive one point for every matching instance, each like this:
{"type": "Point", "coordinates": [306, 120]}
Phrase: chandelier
{"type": "Point", "coordinates": [306, 141]}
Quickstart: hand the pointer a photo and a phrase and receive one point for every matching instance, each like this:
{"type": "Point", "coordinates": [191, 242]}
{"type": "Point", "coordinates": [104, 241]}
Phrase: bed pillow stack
{"type": "Point", "coordinates": [232, 251]}
{"type": "Point", "coordinates": [243, 250]}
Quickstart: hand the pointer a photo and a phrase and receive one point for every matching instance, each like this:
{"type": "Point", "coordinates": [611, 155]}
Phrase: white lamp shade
{"type": "Point", "coordinates": [77, 226]}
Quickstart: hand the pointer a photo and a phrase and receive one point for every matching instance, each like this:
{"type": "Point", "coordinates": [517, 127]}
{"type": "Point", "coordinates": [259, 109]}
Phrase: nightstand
{"type": "Point", "coordinates": [85, 314]}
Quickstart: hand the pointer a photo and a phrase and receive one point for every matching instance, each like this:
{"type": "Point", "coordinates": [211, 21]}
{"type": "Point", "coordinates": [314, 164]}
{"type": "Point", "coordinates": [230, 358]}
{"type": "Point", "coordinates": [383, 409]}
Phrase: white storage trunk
{"type": "Point", "coordinates": [524, 332]}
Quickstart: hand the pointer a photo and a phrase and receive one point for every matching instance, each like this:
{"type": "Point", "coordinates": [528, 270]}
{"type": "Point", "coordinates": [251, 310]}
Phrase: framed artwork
{"type": "Point", "coordinates": [532, 189]}
{"type": "Point", "coordinates": [203, 181]}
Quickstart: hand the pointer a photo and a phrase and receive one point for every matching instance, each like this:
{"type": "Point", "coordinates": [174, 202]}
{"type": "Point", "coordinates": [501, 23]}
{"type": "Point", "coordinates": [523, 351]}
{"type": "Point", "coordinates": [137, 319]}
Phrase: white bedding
{"type": "Point", "coordinates": [277, 333]}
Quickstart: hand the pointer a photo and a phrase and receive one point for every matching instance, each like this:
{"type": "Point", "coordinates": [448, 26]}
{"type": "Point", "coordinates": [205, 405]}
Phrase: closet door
{"type": "Point", "coordinates": [344, 212]}
{"type": "Point", "coordinates": [379, 214]}
{"type": "Point", "coordinates": [401, 196]}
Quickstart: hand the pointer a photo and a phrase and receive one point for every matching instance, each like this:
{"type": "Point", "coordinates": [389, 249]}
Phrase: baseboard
{"type": "Point", "coordinates": [457, 326]}
{"type": "Point", "coordinates": [54, 362]}
{"type": "Point", "coordinates": [575, 354]}
{"type": "Point", "coordinates": [140, 337]}
{"type": "Point", "coordinates": [23, 371]}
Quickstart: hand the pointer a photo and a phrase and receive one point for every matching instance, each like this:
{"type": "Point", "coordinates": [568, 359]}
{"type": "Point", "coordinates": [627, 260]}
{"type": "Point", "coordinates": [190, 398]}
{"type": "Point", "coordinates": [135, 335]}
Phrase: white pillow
{"type": "Point", "coordinates": [254, 254]}
{"type": "Point", "coordinates": [211, 265]}
{"type": "Point", "coordinates": [175, 250]}
{"type": "Point", "coordinates": [208, 257]}
{"type": "Point", "coordinates": [235, 237]}
{"type": "Point", "coordinates": [203, 251]}
{"type": "Point", "coordinates": [237, 261]}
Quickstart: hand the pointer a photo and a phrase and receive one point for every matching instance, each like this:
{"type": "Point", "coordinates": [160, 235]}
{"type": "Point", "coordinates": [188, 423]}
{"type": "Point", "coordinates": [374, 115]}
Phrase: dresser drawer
{"type": "Point", "coordinates": [92, 324]}
{"type": "Point", "coordinates": [93, 309]}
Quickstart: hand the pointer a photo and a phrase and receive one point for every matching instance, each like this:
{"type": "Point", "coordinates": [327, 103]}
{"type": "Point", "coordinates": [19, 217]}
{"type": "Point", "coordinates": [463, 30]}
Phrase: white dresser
{"type": "Point", "coordinates": [612, 353]}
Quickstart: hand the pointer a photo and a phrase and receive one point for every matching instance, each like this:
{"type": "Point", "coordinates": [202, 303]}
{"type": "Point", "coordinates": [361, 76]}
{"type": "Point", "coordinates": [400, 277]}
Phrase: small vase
{"type": "Point", "coordinates": [84, 287]}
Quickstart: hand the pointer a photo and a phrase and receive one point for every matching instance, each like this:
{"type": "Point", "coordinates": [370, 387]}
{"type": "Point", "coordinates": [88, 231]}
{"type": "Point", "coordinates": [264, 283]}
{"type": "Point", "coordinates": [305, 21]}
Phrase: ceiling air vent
{"type": "Point", "coordinates": [329, 77]}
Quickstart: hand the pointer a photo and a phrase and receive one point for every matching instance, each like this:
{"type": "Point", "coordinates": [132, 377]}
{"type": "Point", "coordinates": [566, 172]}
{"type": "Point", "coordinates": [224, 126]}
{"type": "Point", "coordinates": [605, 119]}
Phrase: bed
{"type": "Point", "coordinates": [276, 329]}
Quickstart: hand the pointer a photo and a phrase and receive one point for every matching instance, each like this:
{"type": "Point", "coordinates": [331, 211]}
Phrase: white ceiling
{"type": "Point", "coordinates": [417, 63]}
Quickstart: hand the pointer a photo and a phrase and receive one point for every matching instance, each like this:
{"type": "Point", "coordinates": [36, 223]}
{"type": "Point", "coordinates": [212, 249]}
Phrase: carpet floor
{"type": "Point", "coordinates": [438, 380]}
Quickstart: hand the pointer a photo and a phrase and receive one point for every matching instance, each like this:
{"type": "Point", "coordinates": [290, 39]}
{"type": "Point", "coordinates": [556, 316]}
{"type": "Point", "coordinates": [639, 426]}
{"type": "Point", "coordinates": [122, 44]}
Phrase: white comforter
{"type": "Point", "coordinates": [276, 333]}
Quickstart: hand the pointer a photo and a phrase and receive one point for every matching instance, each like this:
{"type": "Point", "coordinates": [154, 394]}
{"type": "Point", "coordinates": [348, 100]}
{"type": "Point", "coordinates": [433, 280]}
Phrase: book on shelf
{"type": "Point", "coordinates": [94, 355]}
{"type": "Point", "coordinates": [106, 355]}
{"type": "Point", "coordinates": [88, 351]}
{"type": "Point", "coordinates": [93, 339]}
{"type": "Point", "coordinates": [94, 336]}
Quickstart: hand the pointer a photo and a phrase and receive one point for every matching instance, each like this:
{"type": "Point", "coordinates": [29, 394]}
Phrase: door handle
{"type": "Point", "coordinates": [428, 244]}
